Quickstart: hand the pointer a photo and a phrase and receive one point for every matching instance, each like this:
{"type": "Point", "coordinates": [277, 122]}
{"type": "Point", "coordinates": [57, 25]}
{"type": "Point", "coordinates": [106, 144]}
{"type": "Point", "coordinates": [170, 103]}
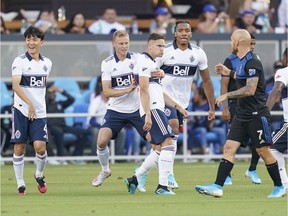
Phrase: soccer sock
{"type": "Point", "coordinates": [103, 156]}
{"type": "Point", "coordinates": [149, 163]}
{"type": "Point", "coordinates": [281, 164]}
{"type": "Point", "coordinates": [18, 164]}
{"type": "Point", "coordinates": [254, 160]}
{"type": "Point", "coordinates": [40, 164]}
{"type": "Point", "coordinates": [175, 150]}
{"type": "Point", "coordinates": [165, 164]}
{"type": "Point", "coordinates": [224, 169]}
{"type": "Point", "coordinates": [273, 171]}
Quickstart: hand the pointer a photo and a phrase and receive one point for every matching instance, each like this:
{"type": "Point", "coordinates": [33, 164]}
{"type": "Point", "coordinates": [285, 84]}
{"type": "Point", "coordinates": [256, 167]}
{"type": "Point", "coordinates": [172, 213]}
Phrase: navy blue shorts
{"type": "Point", "coordinates": [24, 130]}
{"type": "Point", "coordinates": [172, 113]}
{"type": "Point", "coordinates": [257, 129]}
{"type": "Point", "coordinates": [160, 128]}
{"type": "Point", "coordinates": [280, 138]}
{"type": "Point", "coordinates": [116, 121]}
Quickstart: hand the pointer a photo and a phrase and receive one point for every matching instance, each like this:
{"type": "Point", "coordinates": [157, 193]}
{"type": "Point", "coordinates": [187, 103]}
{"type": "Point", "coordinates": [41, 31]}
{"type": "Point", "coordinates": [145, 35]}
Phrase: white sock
{"type": "Point", "coordinates": [40, 164]}
{"type": "Point", "coordinates": [175, 150]}
{"type": "Point", "coordinates": [281, 164]}
{"type": "Point", "coordinates": [18, 164]}
{"type": "Point", "coordinates": [149, 163]}
{"type": "Point", "coordinates": [103, 156]}
{"type": "Point", "coordinates": [165, 164]}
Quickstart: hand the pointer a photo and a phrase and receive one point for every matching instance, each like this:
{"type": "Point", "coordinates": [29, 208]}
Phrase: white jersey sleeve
{"type": "Point", "coordinates": [203, 61]}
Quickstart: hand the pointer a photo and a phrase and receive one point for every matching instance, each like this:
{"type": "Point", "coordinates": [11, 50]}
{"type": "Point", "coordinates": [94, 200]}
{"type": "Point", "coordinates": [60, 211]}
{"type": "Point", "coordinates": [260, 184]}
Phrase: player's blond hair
{"type": "Point", "coordinates": [120, 33]}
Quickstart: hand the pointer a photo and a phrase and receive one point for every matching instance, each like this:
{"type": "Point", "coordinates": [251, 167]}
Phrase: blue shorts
{"type": "Point", "coordinates": [172, 113]}
{"type": "Point", "coordinates": [24, 130]}
{"type": "Point", "coordinates": [280, 138]}
{"type": "Point", "coordinates": [160, 128]}
{"type": "Point", "coordinates": [116, 121]}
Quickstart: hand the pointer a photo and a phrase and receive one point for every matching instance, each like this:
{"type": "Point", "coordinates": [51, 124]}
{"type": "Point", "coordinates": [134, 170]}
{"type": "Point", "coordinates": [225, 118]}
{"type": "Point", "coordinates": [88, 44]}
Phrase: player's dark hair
{"type": "Point", "coordinates": [32, 31]}
{"type": "Point", "coordinates": [156, 36]}
{"type": "Point", "coordinates": [181, 22]}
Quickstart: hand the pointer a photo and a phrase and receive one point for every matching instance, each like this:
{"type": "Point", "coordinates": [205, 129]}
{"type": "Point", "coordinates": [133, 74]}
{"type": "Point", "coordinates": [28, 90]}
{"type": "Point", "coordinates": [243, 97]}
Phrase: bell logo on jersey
{"type": "Point", "coordinates": [124, 81]}
{"type": "Point", "coordinates": [181, 70]}
{"type": "Point", "coordinates": [37, 81]}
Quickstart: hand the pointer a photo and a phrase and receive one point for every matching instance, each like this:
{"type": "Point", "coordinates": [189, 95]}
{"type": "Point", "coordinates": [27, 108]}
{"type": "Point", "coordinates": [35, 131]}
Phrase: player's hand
{"type": "Point", "coordinates": [157, 74]}
{"type": "Point", "coordinates": [211, 115]}
{"type": "Point", "coordinates": [148, 123]}
{"type": "Point", "coordinates": [222, 69]}
{"type": "Point", "coordinates": [220, 99]}
{"type": "Point", "coordinates": [225, 115]}
{"type": "Point", "coordinates": [31, 112]}
{"type": "Point", "coordinates": [132, 86]}
{"type": "Point", "coordinates": [183, 112]}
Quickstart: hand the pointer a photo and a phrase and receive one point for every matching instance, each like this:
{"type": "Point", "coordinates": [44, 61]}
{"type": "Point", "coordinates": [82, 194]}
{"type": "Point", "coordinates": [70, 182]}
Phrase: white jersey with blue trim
{"type": "Point", "coordinates": [180, 68]}
{"type": "Point", "coordinates": [33, 82]}
{"type": "Point", "coordinates": [281, 75]}
{"type": "Point", "coordinates": [120, 74]}
{"type": "Point", "coordinates": [145, 65]}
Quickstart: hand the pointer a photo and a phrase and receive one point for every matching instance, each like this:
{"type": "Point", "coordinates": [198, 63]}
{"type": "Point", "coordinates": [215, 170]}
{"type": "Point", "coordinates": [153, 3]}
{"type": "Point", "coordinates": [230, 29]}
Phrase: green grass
{"type": "Point", "coordinates": [70, 193]}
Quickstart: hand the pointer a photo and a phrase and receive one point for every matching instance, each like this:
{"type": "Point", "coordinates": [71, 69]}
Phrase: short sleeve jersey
{"type": "Point", "coordinates": [120, 74]}
{"type": "Point", "coordinates": [282, 76]}
{"type": "Point", "coordinates": [180, 68]}
{"type": "Point", "coordinates": [145, 65]}
{"type": "Point", "coordinates": [250, 66]}
{"type": "Point", "coordinates": [33, 82]}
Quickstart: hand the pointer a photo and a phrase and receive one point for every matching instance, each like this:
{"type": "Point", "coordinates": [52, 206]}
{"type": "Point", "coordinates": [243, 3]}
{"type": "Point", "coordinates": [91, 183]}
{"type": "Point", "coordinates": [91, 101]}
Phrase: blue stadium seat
{"type": "Point", "coordinates": [6, 97]}
{"type": "Point", "coordinates": [91, 88]}
{"type": "Point", "coordinates": [80, 108]}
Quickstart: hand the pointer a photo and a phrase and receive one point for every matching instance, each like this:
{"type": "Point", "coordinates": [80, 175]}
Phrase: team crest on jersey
{"type": "Point", "coordinates": [45, 68]}
{"type": "Point", "coordinates": [191, 58]}
{"type": "Point", "coordinates": [252, 72]}
{"type": "Point", "coordinates": [17, 134]}
{"type": "Point", "coordinates": [144, 68]}
{"type": "Point", "coordinates": [131, 66]}
{"type": "Point", "coordinates": [167, 112]}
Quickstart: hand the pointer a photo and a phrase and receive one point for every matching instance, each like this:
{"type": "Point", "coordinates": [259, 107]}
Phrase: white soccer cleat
{"type": "Point", "coordinates": [100, 178]}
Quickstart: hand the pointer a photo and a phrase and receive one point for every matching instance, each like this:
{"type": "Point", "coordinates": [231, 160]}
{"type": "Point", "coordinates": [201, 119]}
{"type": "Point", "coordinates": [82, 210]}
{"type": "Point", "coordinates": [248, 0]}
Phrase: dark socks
{"type": "Point", "coordinates": [273, 171]}
{"type": "Point", "coordinates": [224, 169]}
{"type": "Point", "coordinates": [254, 160]}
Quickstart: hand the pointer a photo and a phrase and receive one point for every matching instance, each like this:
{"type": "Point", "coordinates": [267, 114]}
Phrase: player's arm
{"type": "Point", "coordinates": [209, 92]}
{"type": "Point", "coordinates": [172, 103]}
{"type": "Point", "coordinates": [145, 101]}
{"type": "Point", "coordinates": [275, 94]}
{"type": "Point", "coordinates": [108, 91]}
{"type": "Point", "coordinates": [17, 89]}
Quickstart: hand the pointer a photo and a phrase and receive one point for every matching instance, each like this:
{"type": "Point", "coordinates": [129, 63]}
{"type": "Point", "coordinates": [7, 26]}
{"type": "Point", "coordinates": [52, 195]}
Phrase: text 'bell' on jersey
{"type": "Point", "coordinates": [250, 66]}
{"type": "Point", "coordinates": [180, 68]}
{"type": "Point", "coordinates": [281, 75]}
{"type": "Point", "coordinates": [33, 82]}
{"type": "Point", "coordinates": [145, 65]}
{"type": "Point", "coordinates": [120, 74]}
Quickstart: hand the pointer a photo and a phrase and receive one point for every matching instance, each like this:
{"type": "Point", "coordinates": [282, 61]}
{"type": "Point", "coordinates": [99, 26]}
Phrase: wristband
{"type": "Point", "coordinates": [232, 73]}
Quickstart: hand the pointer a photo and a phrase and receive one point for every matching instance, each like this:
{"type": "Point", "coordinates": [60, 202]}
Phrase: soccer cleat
{"type": "Point", "coordinates": [131, 184]}
{"type": "Point", "coordinates": [228, 181]}
{"type": "Point", "coordinates": [42, 187]}
{"type": "Point", "coordinates": [278, 191]}
{"type": "Point", "coordinates": [141, 185]}
{"type": "Point", "coordinates": [172, 182]}
{"type": "Point", "coordinates": [21, 191]}
{"type": "Point", "coordinates": [253, 176]}
{"type": "Point", "coordinates": [211, 190]}
{"type": "Point", "coordinates": [98, 180]}
{"type": "Point", "coordinates": [163, 190]}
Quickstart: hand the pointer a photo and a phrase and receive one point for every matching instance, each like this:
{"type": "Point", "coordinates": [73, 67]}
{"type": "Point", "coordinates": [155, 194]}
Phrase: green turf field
{"type": "Point", "coordinates": [70, 193]}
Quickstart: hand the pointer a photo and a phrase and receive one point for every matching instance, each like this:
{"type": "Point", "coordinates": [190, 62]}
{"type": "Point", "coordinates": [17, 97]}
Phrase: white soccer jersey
{"type": "Point", "coordinates": [33, 82]}
{"type": "Point", "coordinates": [145, 65]}
{"type": "Point", "coordinates": [103, 27]}
{"type": "Point", "coordinates": [281, 75]}
{"type": "Point", "coordinates": [120, 73]}
{"type": "Point", "coordinates": [180, 68]}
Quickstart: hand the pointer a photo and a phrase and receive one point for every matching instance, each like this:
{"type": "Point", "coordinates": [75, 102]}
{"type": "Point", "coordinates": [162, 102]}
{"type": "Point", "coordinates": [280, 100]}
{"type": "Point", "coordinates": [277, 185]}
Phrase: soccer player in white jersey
{"type": "Point", "coordinates": [180, 62]}
{"type": "Point", "coordinates": [280, 136]}
{"type": "Point", "coordinates": [152, 106]}
{"type": "Point", "coordinates": [29, 74]}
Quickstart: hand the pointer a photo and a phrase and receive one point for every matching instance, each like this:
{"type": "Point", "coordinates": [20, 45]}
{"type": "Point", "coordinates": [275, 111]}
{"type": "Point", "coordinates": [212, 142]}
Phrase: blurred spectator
{"type": "Point", "coordinates": [162, 3]}
{"type": "Point", "coordinates": [47, 22]}
{"type": "Point", "coordinates": [247, 21]}
{"type": "Point", "coordinates": [77, 24]}
{"type": "Point", "coordinates": [274, 19]}
{"type": "Point", "coordinates": [210, 22]}
{"type": "Point", "coordinates": [163, 22]}
{"type": "Point", "coordinates": [282, 14]}
{"type": "Point", "coordinates": [106, 25]}
{"type": "Point", "coordinates": [3, 29]}
{"type": "Point", "coordinates": [57, 126]}
{"type": "Point", "coordinates": [98, 105]}
{"type": "Point", "coordinates": [234, 8]}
